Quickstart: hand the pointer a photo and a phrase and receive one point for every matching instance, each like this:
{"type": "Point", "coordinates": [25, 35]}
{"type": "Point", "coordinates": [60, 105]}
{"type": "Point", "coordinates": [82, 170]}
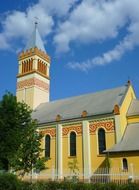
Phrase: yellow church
{"type": "Point", "coordinates": [89, 130]}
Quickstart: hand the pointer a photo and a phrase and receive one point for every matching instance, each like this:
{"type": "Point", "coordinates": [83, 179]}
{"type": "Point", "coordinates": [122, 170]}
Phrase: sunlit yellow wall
{"type": "Point", "coordinates": [66, 156]}
{"type": "Point", "coordinates": [51, 163]}
{"type": "Point", "coordinates": [29, 98]}
{"type": "Point", "coordinates": [124, 108]}
{"type": "Point", "coordinates": [77, 128]}
{"type": "Point", "coordinates": [133, 119]}
{"type": "Point", "coordinates": [98, 161]}
{"type": "Point", "coordinates": [26, 95]}
{"type": "Point", "coordinates": [132, 159]}
{"type": "Point", "coordinates": [65, 146]}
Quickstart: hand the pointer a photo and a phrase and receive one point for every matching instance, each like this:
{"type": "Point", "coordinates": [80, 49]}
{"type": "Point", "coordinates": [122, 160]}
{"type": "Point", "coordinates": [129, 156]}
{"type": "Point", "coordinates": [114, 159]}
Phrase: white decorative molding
{"type": "Point", "coordinates": [117, 128]}
{"type": "Point", "coordinates": [59, 152]}
{"type": "Point", "coordinates": [86, 150]}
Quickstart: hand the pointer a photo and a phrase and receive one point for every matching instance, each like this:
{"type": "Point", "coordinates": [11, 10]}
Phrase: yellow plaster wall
{"type": "Point", "coordinates": [26, 95]}
{"type": "Point", "coordinates": [29, 96]}
{"type": "Point", "coordinates": [98, 161]}
{"type": "Point", "coordinates": [132, 159]}
{"type": "Point", "coordinates": [19, 95]}
{"type": "Point", "coordinates": [124, 108]}
{"type": "Point", "coordinates": [51, 163]}
{"type": "Point", "coordinates": [32, 96]}
{"type": "Point", "coordinates": [40, 96]}
{"type": "Point", "coordinates": [66, 156]}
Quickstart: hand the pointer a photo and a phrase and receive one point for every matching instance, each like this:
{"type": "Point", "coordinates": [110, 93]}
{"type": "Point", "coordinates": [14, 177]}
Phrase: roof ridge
{"type": "Point", "coordinates": [101, 91]}
{"type": "Point", "coordinates": [86, 94]}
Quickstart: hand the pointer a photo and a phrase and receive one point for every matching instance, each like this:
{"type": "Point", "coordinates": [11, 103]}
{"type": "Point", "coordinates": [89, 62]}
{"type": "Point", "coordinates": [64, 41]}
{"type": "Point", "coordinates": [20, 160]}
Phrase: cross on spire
{"type": "Point", "coordinates": [36, 21]}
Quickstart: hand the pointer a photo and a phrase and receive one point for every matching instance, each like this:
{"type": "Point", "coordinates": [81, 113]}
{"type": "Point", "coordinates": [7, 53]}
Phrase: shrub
{"type": "Point", "coordinates": [40, 185]}
{"type": "Point", "coordinates": [80, 186]}
{"type": "Point", "coordinates": [130, 186]}
{"type": "Point", "coordinates": [25, 186]}
{"type": "Point", "coordinates": [9, 182]}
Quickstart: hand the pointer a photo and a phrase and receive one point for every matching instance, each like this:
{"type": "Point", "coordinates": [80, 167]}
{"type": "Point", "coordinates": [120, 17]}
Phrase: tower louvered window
{"type": "Point", "coordinates": [72, 144]}
{"type": "Point", "coordinates": [101, 140]}
{"type": "Point", "coordinates": [42, 68]}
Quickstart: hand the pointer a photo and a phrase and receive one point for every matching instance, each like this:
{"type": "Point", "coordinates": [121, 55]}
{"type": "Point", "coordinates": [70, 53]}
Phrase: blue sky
{"type": "Point", "coordinates": [94, 45]}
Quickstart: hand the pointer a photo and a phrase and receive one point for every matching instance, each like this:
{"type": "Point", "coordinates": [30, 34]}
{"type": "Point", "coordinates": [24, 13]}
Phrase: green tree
{"type": "Point", "coordinates": [19, 137]}
{"type": "Point", "coordinates": [107, 162]}
{"type": "Point", "coordinates": [13, 119]}
{"type": "Point", "coordinates": [73, 166]}
{"type": "Point", "coordinates": [74, 169]}
{"type": "Point", "coordinates": [27, 157]}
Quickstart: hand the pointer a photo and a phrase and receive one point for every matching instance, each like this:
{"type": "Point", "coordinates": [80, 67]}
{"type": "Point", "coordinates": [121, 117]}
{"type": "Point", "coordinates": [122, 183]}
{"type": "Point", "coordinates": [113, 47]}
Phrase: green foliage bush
{"type": "Point", "coordinates": [81, 186]}
{"type": "Point", "coordinates": [10, 182]}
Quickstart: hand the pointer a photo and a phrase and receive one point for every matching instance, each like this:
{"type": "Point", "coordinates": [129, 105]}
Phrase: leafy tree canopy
{"type": "Point", "coordinates": [19, 137]}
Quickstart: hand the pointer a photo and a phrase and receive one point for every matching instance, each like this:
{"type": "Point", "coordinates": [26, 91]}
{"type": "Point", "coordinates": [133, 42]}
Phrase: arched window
{"type": "Point", "coordinates": [47, 146]}
{"type": "Point", "coordinates": [101, 140]}
{"type": "Point", "coordinates": [72, 144]}
{"type": "Point", "coordinates": [125, 164]}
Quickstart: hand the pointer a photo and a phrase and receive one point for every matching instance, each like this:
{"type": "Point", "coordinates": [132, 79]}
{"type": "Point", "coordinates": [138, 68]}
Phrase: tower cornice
{"type": "Point", "coordinates": [34, 51]}
{"type": "Point", "coordinates": [32, 72]}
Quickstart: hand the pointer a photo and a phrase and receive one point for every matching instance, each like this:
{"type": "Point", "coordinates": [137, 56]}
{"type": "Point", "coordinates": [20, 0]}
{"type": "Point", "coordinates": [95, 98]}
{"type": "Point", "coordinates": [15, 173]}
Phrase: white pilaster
{"type": "Point", "coordinates": [24, 94]}
{"type": "Point", "coordinates": [20, 67]}
{"type": "Point", "coordinates": [86, 150]}
{"type": "Point", "coordinates": [35, 61]}
{"type": "Point", "coordinates": [59, 159]}
{"type": "Point", "coordinates": [117, 128]}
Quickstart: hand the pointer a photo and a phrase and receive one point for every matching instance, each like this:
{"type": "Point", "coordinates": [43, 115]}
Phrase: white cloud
{"type": "Point", "coordinates": [59, 8]}
{"type": "Point", "coordinates": [97, 21]}
{"type": "Point", "coordinates": [3, 42]}
{"type": "Point", "coordinates": [89, 21]}
{"type": "Point", "coordinates": [127, 44]}
{"type": "Point", "coordinates": [19, 24]}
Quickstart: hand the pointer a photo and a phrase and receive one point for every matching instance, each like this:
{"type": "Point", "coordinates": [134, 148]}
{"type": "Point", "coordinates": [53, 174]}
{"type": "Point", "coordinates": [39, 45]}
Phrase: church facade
{"type": "Point", "coordinates": [89, 129]}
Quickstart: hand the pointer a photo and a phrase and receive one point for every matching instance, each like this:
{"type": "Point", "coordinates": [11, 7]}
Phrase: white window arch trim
{"type": "Point", "coordinates": [69, 141]}
{"type": "Point", "coordinates": [45, 142]}
{"type": "Point", "coordinates": [98, 139]}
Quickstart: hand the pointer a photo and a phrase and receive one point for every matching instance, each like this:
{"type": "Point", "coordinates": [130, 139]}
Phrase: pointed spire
{"type": "Point", "coordinates": [35, 40]}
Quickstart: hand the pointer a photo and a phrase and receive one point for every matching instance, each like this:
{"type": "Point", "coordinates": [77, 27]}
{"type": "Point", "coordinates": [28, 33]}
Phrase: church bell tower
{"type": "Point", "coordinates": [33, 76]}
